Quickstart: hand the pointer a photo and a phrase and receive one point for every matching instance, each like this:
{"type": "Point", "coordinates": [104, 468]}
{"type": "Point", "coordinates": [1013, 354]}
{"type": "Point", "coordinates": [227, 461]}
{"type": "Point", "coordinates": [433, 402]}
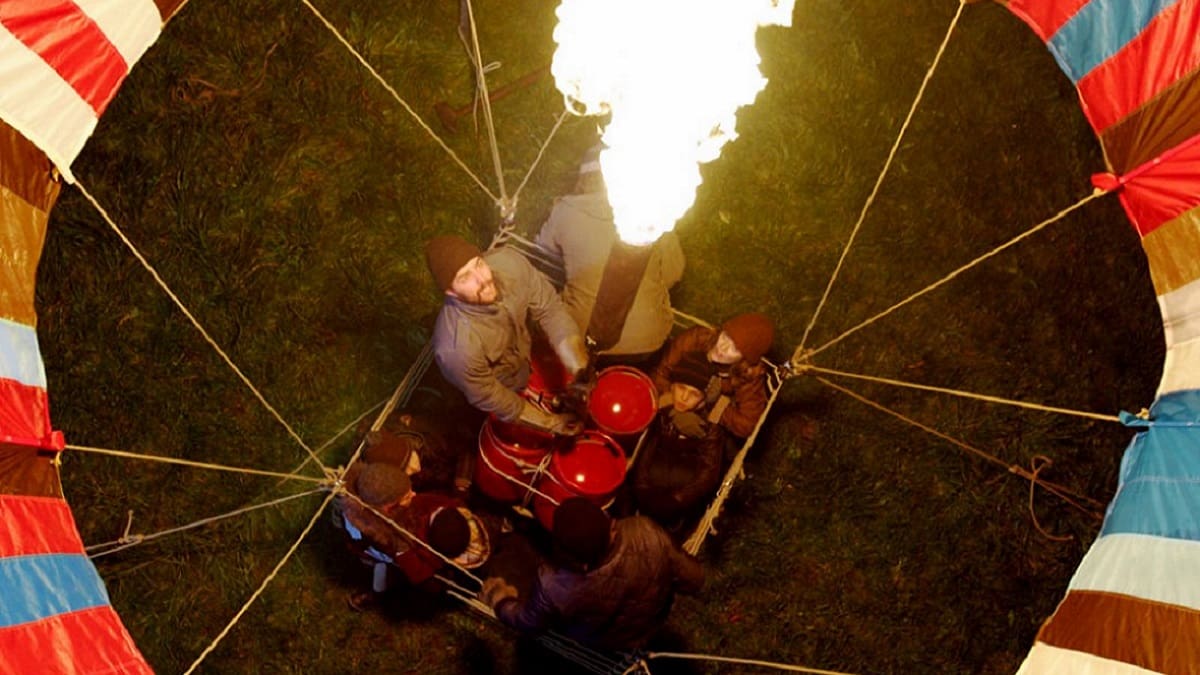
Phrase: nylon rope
{"type": "Point", "coordinates": [399, 398]}
{"type": "Point", "coordinates": [328, 443]}
{"type": "Point", "coordinates": [194, 464]}
{"type": "Point", "coordinates": [1037, 463]}
{"type": "Point", "coordinates": [176, 11]}
{"type": "Point", "coordinates": [504, 203]}
{"type": "Point", "coordinates": [127, 540]}
{"type": "Point", "coordinates": [196, 323]}
{"type": "Point", "coordinates": [541, 152]}
{"type": "Point", "coordinates": [1060, 491]}
{"type": "Point", "coordinates": [730, 659]}
{"type": "Point", "coordinates": [1097, 193]}
{"type": "Point", "coordinates": [262, 587]}
{"type": "Point", "coordinates": [507, 206]}
{"type": "Point", "coordinates": [535, 250]}
{"type": "Point", "coordinates": [705, 526]}
{"type": "Point", "coordinates": [341, 490]}
{"type": "Point", "coordinates": [964, 394]}
{"type": "Point", "coordinates": [535, 470]}
{"type": "Point", "coordinates": [882, 174]}
{"type": "Point", "coordinates": [401, 101]}
{"type": "Point", "coordinates": [583, 655]}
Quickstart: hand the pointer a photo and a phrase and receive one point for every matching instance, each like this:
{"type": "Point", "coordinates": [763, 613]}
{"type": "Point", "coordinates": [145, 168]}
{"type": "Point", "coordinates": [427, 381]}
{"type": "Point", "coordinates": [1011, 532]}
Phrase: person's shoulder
{"type": "Point", "coordinates": [506, 258]}
{"type": "Point", "coordinates": [694, 335]}
{"type": "Point", "coordinates": [642, 527]}
{"type": "Point", "coordinates": [453, 334]}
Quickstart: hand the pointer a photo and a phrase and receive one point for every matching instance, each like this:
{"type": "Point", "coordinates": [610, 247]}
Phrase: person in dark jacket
{"type": "Point", "coordinates": [680, 465]}
{"type": "Point", "coordinates": [738, 395]}
{"type": "Point", "coordinates": [612, 587]}
{"type": "Point", "coordinates": [482, 341]}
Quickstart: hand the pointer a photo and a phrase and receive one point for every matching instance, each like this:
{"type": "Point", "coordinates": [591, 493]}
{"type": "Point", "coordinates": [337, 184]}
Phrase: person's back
{"type": "Point", "coordinates": [581, 230]}
{"type": "Point", "coordinates": [621, 601]}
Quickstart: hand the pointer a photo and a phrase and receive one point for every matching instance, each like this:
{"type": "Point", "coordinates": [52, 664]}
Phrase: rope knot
{"type": "Point", "coordinates": [508, 209]}
{"type": "Point", "coordinates": [799, 365]}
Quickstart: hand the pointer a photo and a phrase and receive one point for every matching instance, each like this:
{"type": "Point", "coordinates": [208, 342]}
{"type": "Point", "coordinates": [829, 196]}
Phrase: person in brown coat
{"type": "Point", "coordinates": [737, 393]}
{"type": "Point", "coordinates": [612, 587]}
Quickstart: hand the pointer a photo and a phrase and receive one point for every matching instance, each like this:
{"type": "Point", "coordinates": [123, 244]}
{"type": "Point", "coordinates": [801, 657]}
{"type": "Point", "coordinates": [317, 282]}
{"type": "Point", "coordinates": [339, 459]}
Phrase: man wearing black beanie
{"type": "Point", "coordinates": [481, 339]}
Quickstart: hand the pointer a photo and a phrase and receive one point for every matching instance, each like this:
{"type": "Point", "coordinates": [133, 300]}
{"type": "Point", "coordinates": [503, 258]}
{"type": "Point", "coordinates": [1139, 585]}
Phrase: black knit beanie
{"type": "Point", "coordinates": [581, 530]}
{"type": "Point", "coordinates": [445, 255]}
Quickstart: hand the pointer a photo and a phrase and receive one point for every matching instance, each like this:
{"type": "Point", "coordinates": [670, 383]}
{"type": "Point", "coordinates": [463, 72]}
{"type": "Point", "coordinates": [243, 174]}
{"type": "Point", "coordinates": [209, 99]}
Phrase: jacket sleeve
{"type": "Point", "coordinates": [689, 574]}
{"type": "Point", "coordinates": [708, 468]}
{"type": "Point", "coordinates": [547, 237]}
{"type": "Point", "coordinates": [546, 307]}
{"type": "Point", "coordinates": [530, 616]}
{"type": "Point", "coordinates": [417, 565]}
{"type": "Point", "coordinates": [469, 372]}
{"type": "Point", "coordinates": [749, 400]}
{"type": "Point", "coordinates": [692, 339]}
{"type": "Point", "coordinates": [671, 259]}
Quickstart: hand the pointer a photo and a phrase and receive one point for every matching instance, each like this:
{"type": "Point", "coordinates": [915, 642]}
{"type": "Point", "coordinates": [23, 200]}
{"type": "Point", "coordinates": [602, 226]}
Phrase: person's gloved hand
{"type": "Point", "coordinates": [575, 398]}
{"type": "Point", "coordinates": [567, 424]}
{"type": "Point", "coordinates": [564, 424]}
{"type": "Point", "coordinates": [689, 424]}
{"type": "Point", "coordinates": [496, 590]}
{"type": "Point", "coordinates": [713, 391]}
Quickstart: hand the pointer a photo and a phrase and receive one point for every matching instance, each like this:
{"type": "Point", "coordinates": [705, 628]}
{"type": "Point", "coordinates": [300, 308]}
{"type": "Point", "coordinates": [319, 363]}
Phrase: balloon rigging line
{"type": "Point", "coordinates": [1060, 491]}
{"type": "Point", "coordinates": [195, 322]}
{"type": "Point", "coordinates": [270, 577]}
{"type": "Point", "coordinates": [879, 180]}
{"type": "Point", "coordinates": [341, 490]}
{"type": "Point", "coordinates": [595, 661]}
{"type": "Point", "coordinates": [129, 540]}
{"type": "Point", "coordinates": [194, 464]}
{"type": "Point", "coordinates": [537, 160]}
{"type": "Point", "coordinates": [324, 446]}
{"type": "Point", "coordinates": [531, 249]}
{"type": "Point", "coordinates": [374, 73]}
{"type": "Point", "coordinates": [964, 394]}
{"type": "Point", "coordinates": [399, 398]}
{"type": "Point", "coordinates": [587, 657]}
{"type": "Point", "coordinates": [735, 471]}
{"type": "Point", "coordinates": [727, 659]}
{"type": "Point", "coordinates": [176, 11]}
{"type": "Point", "coordinates": [504, 202]}
{"type": "Point", "coordinates": [800, 354]}
{"type": "Point", "coordinates": [506, 205]}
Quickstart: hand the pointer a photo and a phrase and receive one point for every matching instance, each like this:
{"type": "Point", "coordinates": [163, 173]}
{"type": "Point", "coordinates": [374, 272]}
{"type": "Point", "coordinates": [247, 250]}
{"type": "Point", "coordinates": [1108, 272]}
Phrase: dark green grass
{"type": "Point", "coordinates": [285, 196]}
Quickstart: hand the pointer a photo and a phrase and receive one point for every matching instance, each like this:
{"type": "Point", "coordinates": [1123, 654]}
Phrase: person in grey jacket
{"type": "Point", "coordinates": [612, 587]}
{"type": "Point", "coordinates": [580, 229]}
{"type": "Point", "coordinates": [482, 339]}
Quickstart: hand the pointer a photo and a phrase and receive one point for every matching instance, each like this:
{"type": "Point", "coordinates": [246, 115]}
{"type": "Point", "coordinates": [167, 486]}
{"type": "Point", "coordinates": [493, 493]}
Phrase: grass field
{"type": "Point", "coordinates": [284, 196]}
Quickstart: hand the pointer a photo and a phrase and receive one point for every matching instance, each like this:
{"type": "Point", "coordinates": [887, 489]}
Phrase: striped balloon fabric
{"type": "Point", "coordinates": [61, 63]}
{"type": "Point", "coordinates": [1133, 605]}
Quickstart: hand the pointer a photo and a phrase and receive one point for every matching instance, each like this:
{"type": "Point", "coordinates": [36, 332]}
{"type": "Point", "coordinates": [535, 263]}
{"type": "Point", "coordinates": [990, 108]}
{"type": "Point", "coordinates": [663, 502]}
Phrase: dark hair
{"type": "Point", "coordinates": [449, 533]}
{"type": "Point", "coordinates": [581, 531]}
